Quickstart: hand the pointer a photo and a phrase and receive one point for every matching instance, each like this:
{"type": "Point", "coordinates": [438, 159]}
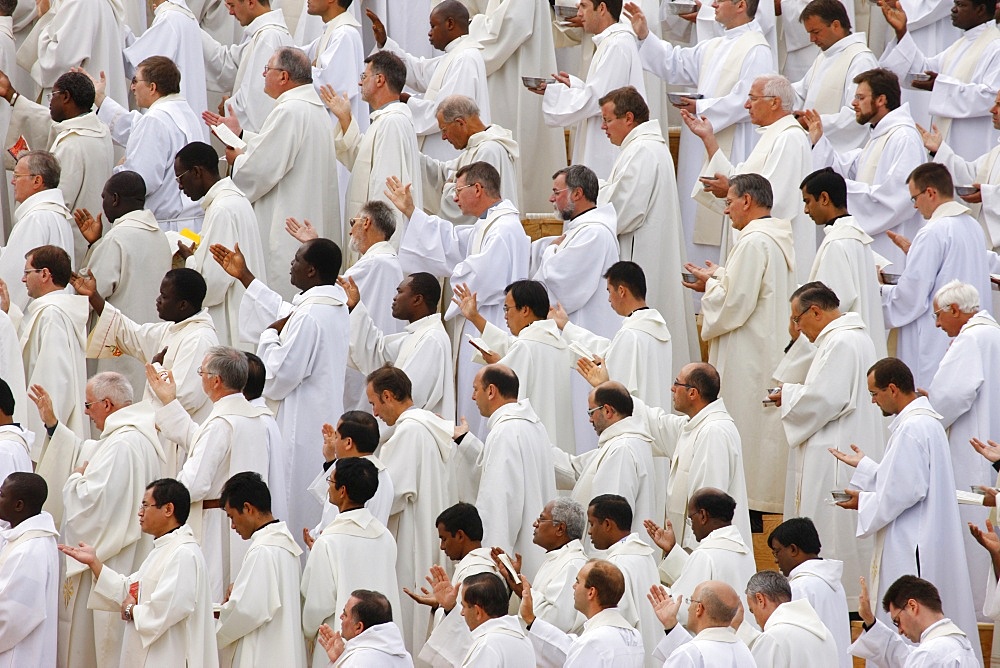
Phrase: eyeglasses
{"type": "Point", "coordinates": [21, 176]}
{"type": "Point", "coordinates": [875, 392]}
{"type": "Point", "coordinates": [913, 198]}
{"type": "Point", "coordinates": [934, 316]}
{"type": "Point", "coordinates": [88, 404]}
{"type": "Point", "coordinates": [796, 318]}
{"type": "Point", "coordinates": [459, 189]}
{"type": "Point", "coordinates": [895, 620]}
{"type": "Point", "coordinates": [541, 519]}
{"type": "Point", "coordinates": [556, 191]}
{"type": "Point", "coordinates": [181, 176]}
{"type": "Point", "coordinates": [204, 372]}
{"type": "Point", "coordinates": [356, 220]}
{"type": "Point", "coordinates": [145, 506]}
{"type": "Point", "coordinates": [689, 600]}
{"type": "Point", "coordinates": [268, 69]}
{"type": "Point", "coordinates": [591, 411]}
{"type": "Point", "coordinates": [678, 383]}
{"type": "Point", "coordinates": [754, 98]}
{"type": "Point", "coordinates": [137, 80]}
{"type": "Point", "coordinates": [32, 271]}
{"type": "Point", "coordinates": [508, 308]}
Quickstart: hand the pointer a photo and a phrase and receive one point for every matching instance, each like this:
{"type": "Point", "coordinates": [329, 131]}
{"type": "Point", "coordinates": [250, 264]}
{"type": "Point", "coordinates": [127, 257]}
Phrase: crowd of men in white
{"type": "Point", "coordinates": [434, 412]}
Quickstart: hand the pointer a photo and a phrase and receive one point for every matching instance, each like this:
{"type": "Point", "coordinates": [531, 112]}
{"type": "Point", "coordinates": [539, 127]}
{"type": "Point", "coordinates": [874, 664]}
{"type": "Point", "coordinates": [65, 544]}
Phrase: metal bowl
{"type": "Point", "coordinates": [890, 279]}
{"type": "Point", "coordinates": [675, 98]}
{"type": "Point", "coordinates": [688, 277]}
{"type": "Point", "coordinates": [535, 82]}
{"type": "Point", "coordinates": [680, 7]}
{"type": "Point", "coordinates": [840, 496]}
{"type": "Point", "coordinates": [564, 12]}
{"type": "Point", "coordinates": [919, 77]}
{"type": "Point", "coordinates": [966, 190]}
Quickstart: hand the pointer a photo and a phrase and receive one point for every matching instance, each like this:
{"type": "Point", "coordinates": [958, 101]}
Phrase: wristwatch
{"type": "Point", "coordinates": [128, 611]}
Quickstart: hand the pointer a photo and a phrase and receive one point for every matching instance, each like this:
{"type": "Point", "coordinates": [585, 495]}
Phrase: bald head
{"type": "Point", "coordinates": [720, 600]}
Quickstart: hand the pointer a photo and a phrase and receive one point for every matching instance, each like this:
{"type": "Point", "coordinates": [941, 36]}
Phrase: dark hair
{"type": "Point", "coordinates": [78, 87]}
{"type": "Point", "coordinates": [503, 378]}
{"type": "Point", "coordinates": [614, 7]}
{"type": "Point", "coordinates": [256, 375]}
{"type": "Point", "coordinates": [30, 488]}
{"type": "Point", "coordinates": [199, 154]}
{"type": "Point", "coordinates": [360, 427]}
{"type": "Point", "coordinates": [612, 507]}
{"type": "Point", "coordinates": [932, 175]}
{"type": "Point", "coordinates": [627, 99]}
{"type": "Point", "coordinates": [892, 371]}
{"type": "Point", "coordinates": [911, 587]}
{"type": "Point", "coordinates": [189, 285]}
{"type": "Point", "coordinates": [797, 531]}
{"type": "Point", "coordinates": [705, 378]}
{"type": "Point", "coordinates": [390, 66]}
{"type": "Point", "coordinates": [168, 490]}
{"type": "Point", "coordinates": [483, 173]}
{"type": "Point", "coordinates": [755, 185]}
{"type": "Point", "coordinates": [608, 580]}
{"type": "Point", "coordinates": [531, 294]}
{"type": "Point", "coordinates": [751, 7]}
{"type": "Point", "coordinates": [616, 396]}
{"type": "Point", "coordinates": [628, 274]}
{"type": "Point", "coordinates": [128, 185]}
{"type": "Point", "coordinates": [826, 180]}
{"type": "Point", "coordinates": [246, 487]}
{"type": "Point", "coordinates": [325, 257]}
{"type": "Point", "coordinates": [373, 607]}
{"type": "Point", "coordinates": [816, 293]}
{"type": "Point", "coordinates": [827, 11]}
{"type": "Point", "coordinates": [163, 72]}
{"type": "Point", "coordinates": [989, 5]}
{"type": "Point", "coordinates": [55, 259]}
{"type": "Point", "coordinates": [462, 517]}
{"type": "Point", "coordinates": [391, 379]}
{"type": "Point", "coordinates": [582, 177]}
{"type": "Point", "coordinates": [882, 82]}
{"type": "Point", "coordinates": [487, 591]}
{"type": "Point", "coordinates": [359, 476]}
{"type": "Point", "coordinates": [7, 402]}
{"type": "Point", "coordinates": [427, 286]}
{"type": "Point", "coordinates": [715, 502]}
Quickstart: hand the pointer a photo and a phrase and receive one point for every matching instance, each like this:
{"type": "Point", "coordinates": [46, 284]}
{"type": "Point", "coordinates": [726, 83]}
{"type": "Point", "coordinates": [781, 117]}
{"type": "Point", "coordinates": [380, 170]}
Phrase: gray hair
{"type": "Point", "coordinates": [581, 176]}
{"type": "Point", "coordinates": [382, 216]}
{"type": "Point", "coordinates": [230, 365]}
{"type": "Point", "coordinates": [111, 386]}
{"type": "Point", "coordinates": [571, 515]}
{"type": "Point", "coordinates": [778, 86]}
{"type": "Point", "coordinates": [296, 63]}
{"type": "Point", "coordinates": [454, 107]}
{"type": "Point", "coordinates": [755, 185]}
{"type": "Point", "coordinates": [772, 584]}
{"type": "Point", "coordinates": [43, 164]}
{"type": "Point", "coordinates": [962, 295]}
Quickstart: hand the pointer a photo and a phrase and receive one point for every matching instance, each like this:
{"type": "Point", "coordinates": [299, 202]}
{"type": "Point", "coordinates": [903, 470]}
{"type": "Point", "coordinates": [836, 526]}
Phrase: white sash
{"type": "Point", "coordinates": [831, 87]}
{"type": "Point", "coordinates": [965, 67]}
{"type": "Point", "coordinates": [866, 172]}
{"type": "Point", "coordinates": [987, 174]}
{"type": "Point", "coordinates": [248, 51]}
{"type": "Point", "coordinates": [26, 536]}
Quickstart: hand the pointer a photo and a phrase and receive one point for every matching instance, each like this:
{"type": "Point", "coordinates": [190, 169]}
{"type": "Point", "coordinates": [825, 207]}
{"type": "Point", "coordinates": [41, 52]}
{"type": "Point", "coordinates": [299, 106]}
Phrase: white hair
{"type": "Point", "coordinates": [112, 386]}
{"type": "Point", "coordinates": [778, 86]}
{"type": "Point", "coordinates": [962, 295]}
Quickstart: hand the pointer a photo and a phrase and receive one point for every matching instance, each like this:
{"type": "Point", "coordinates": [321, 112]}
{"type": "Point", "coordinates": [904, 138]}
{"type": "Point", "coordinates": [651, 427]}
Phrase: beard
{"type": "Point", "coordinates": [863, 117]}
{"type": "Point", "coordinates": [565, 214]}
{"type": "Point", "coordinates": [353, 244]}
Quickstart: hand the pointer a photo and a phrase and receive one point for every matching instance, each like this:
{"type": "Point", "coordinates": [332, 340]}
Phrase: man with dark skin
{"type": "Point", "coordinates": [123, 193]}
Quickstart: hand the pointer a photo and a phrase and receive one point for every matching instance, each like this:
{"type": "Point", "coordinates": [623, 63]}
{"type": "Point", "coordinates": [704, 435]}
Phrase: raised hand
{"type": "Point", "coordinates": [701, 127]}
{"type": "Point", "coordinates": [329, 442]}
{"type": "Point", "coordinates": [895, 16]}
{"type": "Point", "coordinates": [558, 313]}
{"type": "Point", "coordinates": [663, 537]}
{"type": "Point", "coordinates": [445, 593]}
{"type": "Point", "coordinates": [901, 242]}
{"type": "Point", "coordinates": [504, 573]}
{"type": "Point", "coordinates": [351, 288]}
{"type": "Point", "coordinates": [232, 262]}
{"type": "Point", "coordinates": [865, 604]}
{"type": "Point", "coordinates": [461, 429]}
{"type": "Point", "coordinates": [307, 538]}
{"type": "Point", "coordinates": [664, 605]}
{"type": "Point", "coordinates": [932, 138]}
{"type": "Point", "coordinates": [988, 538]}
{"type": "Point", "coordinates": [85, 554]}
{"type": "Point", "coordinates": [43, 402]}
{"type": "Point", "coordinates": [527, 608]}
{"type": "Point", "coordinates": [400, 195]}
{"type": "Point", "coordinates": [84, 284]}
{"type": "Point", "coordinates": [638, 20]}
{"type": "Point", "coordinates": [100, 85]}
{"type": "Point", "coordinates": [423, 598]}
{"type": "Point", "coordinates": [850, 460]}
{"type": "Point", "coordinates": [338, 104]}
{"type": "Point", "coordinates": [331, 641]}
{"type": "Point", "coordinates": [465, 299]}
{"type": "Point", "coordinates": [378, 28]}
{"type": "Point", "coordinates": [4, 297]}
{"type": "Point", "coordinates": [160, 356]}
{"type": "Point", "coordinates": [594, 371]}
{"type": "Point", "coordinates": [164, 388]}
{"type": "Point", "coordinates": [302, 232]}
{"type": "Point", "coordinates": [229, 120]}
{"type": "Point", "coordinates": [989, 449]}
{"type": "Point", "coordinates": [89, 226]}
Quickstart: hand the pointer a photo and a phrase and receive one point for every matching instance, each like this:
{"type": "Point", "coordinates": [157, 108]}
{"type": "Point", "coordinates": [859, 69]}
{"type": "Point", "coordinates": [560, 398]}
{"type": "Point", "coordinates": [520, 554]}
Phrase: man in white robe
{"type": "Point", "coordinates": [962, 391]}
{"type": "Point", "coordinates": [536, 352]}
{"type": "Point", "coordinates": [571, 101]}
{"type": "Point", "coordinates": [907, 501]}
{"type": "Point", "coordinates": [260, 623]}
{"type": "Point", "coordinates": [876, 173]}
{"type": "Point", "coordinates": [387, 148]}
{"type": "Point", "coordinates": [77, 33]}
{"type": "Point", "coordinates": [744, 308]}
{"type": "Point", "coordinates": [708, 639]}
{"type": "Point", "coordinates": [29, 574]}
{"type": "Point", "coordinates": [558, 530]}
{"type": "Point", "coordinates": [513, 468]}
{"type": "Point", "coordinates": [621, 465]}
{"type": "Point", "coordinates": [643, 189]}
{"type": "Point", "coordinates": [795, 544]}
{"type": "Point", "coordinates": [828, 409]}
{"type": "Point", "coordinates": [915, 607]}
{"type": "Point", "coordinates": [781, 156]}
{"type": "Point", "coordinates": [152, 139]}
{"type": "Point", "coordinates": [132, 249]}
{"type": "Point", "coordinates": [367, 634]}
{"type": "Point", "coordinates": [422, 350]}
{"type": "Point", "coordinates": [54, 321]}
{"type": "Point", "coordinates": [963, 76]}
{"type": "Point", "coordinates": [497, 638]}
{"type": "Point", "coordinates": [721, 553]}
{"type": "Point", "coordinates": [178, 343]}
{"type": "Point", "coordinates": [460, 121]}
{"type": "Point", "coordinates": [721, 69]}
{"type": "Point", "coordinates": [333, 570]}
{"type": "Point", "coordinates": [486, 256]}
{"type": "Point", "coordinates": [828, 85]}
{"type": "Point", "coordinates": [792, 633]}
{"type": "Point", "coordinates": [949, 246]}
{"type": "Point", "coordinates": [286, 159]}
{"type": "Point", "coordinates": [702, 446]}
{"type": "Point", "coordinates": [175, 34]}
{"type": "Point", "coordinates": [40, 219]}
{"type": "Point", "coordinates": [844, 260]}
{"type": "Point", "coordinates": [461, 71]}
{"type": "Point", "coordinates": [231, 440]}
{"type": "Point", "coordinates": [607, 640]}
{"type": "Point", "coordinates": [71, 131]}
{"type": "Point", "coordinates": [100, 485]}
{"type": "Point", "coordinates": [229, 220]}
{"type": "Point", "coordinates": [796, 54]}
{"type": "Point", "coordinates": [609, 519]}
{"type": "Point", "coordinates": [165, 605]}
{"type": "Point", "coordinates": [303, 345]}
{"type": "Point", "coordinates": [234, 68]}
{"type": "Point", "coordinates": [416, 456]}
{"type": "Point", "coordinates": [15, 440]}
